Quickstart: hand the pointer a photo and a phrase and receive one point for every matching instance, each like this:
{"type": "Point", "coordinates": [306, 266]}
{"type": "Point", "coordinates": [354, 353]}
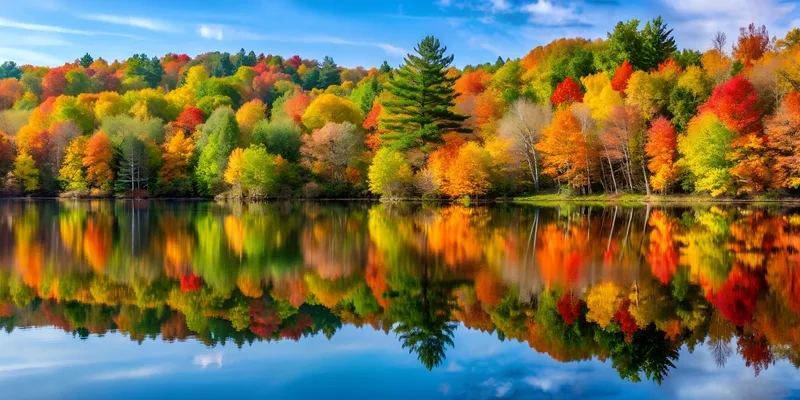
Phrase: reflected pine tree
{"type": "Point", "coordinates": [422, 308]}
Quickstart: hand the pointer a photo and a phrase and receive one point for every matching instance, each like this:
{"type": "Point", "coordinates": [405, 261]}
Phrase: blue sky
{"type": "Point", "coordinates": [50, 32]}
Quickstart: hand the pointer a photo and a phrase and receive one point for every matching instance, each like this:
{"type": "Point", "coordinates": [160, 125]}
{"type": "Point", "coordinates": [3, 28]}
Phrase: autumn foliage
{"type": "Point", "coordinates": [566, 92]}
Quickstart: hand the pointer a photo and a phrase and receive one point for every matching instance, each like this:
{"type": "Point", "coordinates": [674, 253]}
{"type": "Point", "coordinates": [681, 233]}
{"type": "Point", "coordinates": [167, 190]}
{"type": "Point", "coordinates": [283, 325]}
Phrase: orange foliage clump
{"type": "Point", "coordinates": [752, 44]}
{"type": "Point", "coordinates": [472, 83]}
{"type": "Point", "coordinates": [97, 159]}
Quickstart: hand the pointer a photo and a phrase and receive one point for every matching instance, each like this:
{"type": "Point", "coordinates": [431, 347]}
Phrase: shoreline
{"type": "Point", "coordinates": [544, 199]}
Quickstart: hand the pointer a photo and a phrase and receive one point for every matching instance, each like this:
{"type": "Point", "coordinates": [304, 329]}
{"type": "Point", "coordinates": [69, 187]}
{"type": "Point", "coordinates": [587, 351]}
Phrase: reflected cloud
{"type": "Point", "coordinates": [135, 373]}
{"type": "Point", "coordinates": [209, 359]}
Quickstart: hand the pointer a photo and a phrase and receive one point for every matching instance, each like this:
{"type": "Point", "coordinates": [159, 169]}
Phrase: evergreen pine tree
{"type": "Point", "coordinates": [385, 68]}
{"type": "Point", "coordinates": [499, 63]}
{"type": "Point", "coordinates": [420, 110]}
{"type": "Point", "coordinates": [86, 60]}
{"type": "Point", "coordinates": [329, 73]}
{"type": "Point", "coordinates": [657, 43]}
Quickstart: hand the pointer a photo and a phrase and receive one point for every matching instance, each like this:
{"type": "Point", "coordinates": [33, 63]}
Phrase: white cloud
{"type": "Point", "coordinates": [499, 5]}
{"type": "Point", "coordinates": [500, 388]}
{"type": "Point", "coordinates": [702, 19]}
{"type": "Point", "coordinates": [136, 22]}
{"type": "Point", "coordinates": [210, 31]}
{"type": "Point", "coordinates": [136, 373]}
{"type": "Point", "coordinates": [549, 380]}
{"type": "Point", "coordinates": [24, 56]}
{"type": "Point", "coordinates": [208, 359]}
{"type": "Point", "coordinates": [544, 12]}
{"type": "Point", "coordinates": [454, 367]}
{"type": "Point", "coordinates": [5, 22]}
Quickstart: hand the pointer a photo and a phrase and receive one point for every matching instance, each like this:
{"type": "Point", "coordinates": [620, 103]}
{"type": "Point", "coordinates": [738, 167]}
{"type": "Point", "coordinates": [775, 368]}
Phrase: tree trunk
{"type": "Point", "coordinates": [536, 168]}
{"type": "Point", "coordinates": [646, 181]}
{"type": "Point", "coordinates": [611, 169]}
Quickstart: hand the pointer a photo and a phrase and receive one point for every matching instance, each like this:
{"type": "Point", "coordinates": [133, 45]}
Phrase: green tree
{"type": "Point", "coordinates": [259, 176]}
{"type": "Point", "coordinates": [329, 74]}
{"type": "Point", "coordinates": [86, 60]}
{"type": "Point", "coordinates": [9, 69]}
{"type": "Point", "coordinates": [218, 137]}
{"type": "Point", "coordinates": [624, 43]}
{"type": "Point", "coordinates": [150, 70]}
{"type": "Point", "coordinates": [657, 43]}
{"type": "Point", "coordinates": [704, 148]}
{"type": "Point", "coordinates": [213, 87]}
{"type": "Point", "coordinates": [279, 137]}
{"type": "Point", "coordinates": [422, 98]}
{"type": "Point", "coordinates": [577, 64]}
{"type": "Point", "coordinates": [365, 93]}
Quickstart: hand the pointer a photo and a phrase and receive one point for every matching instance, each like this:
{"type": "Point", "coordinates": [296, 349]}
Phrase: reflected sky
{"type": "Point", "coordinates": [356, 362]}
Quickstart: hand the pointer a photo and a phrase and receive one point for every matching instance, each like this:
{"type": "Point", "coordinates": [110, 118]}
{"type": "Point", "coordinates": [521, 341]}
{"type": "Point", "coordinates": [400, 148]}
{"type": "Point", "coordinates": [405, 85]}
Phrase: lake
{"type": "Point", "coordinates": [141, 299]}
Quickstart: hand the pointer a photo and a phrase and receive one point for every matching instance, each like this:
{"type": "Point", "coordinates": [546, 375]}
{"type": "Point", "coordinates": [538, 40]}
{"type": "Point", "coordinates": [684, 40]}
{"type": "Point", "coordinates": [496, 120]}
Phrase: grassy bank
{"type": "Point", "coordinates": [638, 198]}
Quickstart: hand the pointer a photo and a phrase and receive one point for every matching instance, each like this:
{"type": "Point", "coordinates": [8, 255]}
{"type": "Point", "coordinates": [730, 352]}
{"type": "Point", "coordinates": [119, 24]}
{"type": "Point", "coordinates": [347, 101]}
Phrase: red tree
{"type": "Point", "coordinates": [567, 91]}
{"type": "Point", "coordinates": [621, 76]}
{"type": "Point", "coordinates": [569, 307]}
{"type": "Point", "coordinates": [735, 102]}
{"type": "Point", "coordinates": [189, 119]}
{"type": "Point", "coordinates": [736, 299]}
{"type": "Point", "coordinates": [54, 82]}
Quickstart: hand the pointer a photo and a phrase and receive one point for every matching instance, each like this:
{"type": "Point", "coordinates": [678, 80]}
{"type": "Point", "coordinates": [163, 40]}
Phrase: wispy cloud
{"type": "Point", "coordinates": [136, 373]}
{"type": "Point", "coordinates": [224, 32]}
{"type": "Point", "coordinates": [37, 40]}
{"type": "Point", "coordinates": [136, 22]}
{"type": "Point", "coordinates": [24, 56]}
{"type": "Point", "coordinates": [8, 23]}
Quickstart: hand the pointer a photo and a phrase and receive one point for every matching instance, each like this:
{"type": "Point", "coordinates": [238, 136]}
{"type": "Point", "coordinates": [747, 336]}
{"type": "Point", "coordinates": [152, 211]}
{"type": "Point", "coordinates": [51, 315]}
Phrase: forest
{"type": "Point", "coordinates": [635, 287]}
{"type": "Point", "coordinates": [629, 113]}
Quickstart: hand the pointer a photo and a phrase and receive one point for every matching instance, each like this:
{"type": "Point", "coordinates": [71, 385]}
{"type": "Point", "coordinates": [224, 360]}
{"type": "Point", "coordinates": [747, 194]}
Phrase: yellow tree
{"type": "Point", "coordinates": [248, 115]}
{"type": "Point", "coordinates": [468, 175]}
{"type": "Point", "coordinates": [331, 108]}
{"type": "Point", "coordinates": [233, 174]}
{"type": "Point", "coordinates": [26, 173]}
{"type": "Point", "coordinates": [176, 153]}
{"type": "Point", "coordinates": [600, 96]}
{"type": "Point", "coordinates": [72, 173]}
{"type": "Point", "coordinates": [602, 303]}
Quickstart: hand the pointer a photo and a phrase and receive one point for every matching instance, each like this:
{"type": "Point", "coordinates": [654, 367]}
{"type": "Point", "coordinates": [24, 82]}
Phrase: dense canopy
{"type": "Point", "coordinates": [633, 113]}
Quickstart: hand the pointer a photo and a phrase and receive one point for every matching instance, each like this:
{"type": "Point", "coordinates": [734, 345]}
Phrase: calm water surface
{"type": "Point", "coordinates": [309, 300]}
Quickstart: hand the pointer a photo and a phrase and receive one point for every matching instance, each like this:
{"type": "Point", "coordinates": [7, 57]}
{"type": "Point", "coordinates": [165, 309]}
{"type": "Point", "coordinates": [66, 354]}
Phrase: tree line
{"type": "Point", "coordinates": [628, 113]}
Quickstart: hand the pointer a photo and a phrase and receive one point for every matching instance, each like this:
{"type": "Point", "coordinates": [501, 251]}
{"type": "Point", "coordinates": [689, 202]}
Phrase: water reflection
{"type": "Point", "coordinates": [629, 286]}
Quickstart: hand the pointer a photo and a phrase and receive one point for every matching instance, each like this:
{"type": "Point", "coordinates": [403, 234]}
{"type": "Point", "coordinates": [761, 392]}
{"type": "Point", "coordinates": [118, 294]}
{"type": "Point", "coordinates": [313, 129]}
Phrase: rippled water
{"type": "Point", "coordinates": [141, 299]}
